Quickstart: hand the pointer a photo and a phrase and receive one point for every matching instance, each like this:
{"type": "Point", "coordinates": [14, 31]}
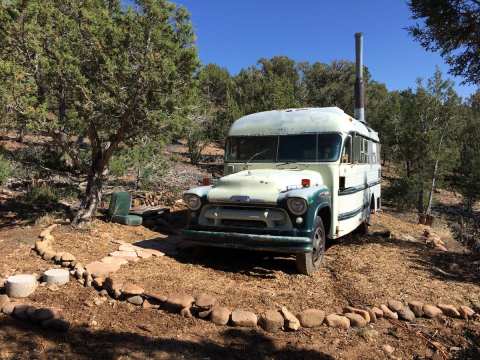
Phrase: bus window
{"type": "Point", "coordinates": [347, 150]}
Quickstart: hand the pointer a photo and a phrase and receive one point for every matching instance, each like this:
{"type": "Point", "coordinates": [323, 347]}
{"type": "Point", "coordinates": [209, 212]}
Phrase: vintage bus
{"type": "Point", "coordinates": [294, 179]}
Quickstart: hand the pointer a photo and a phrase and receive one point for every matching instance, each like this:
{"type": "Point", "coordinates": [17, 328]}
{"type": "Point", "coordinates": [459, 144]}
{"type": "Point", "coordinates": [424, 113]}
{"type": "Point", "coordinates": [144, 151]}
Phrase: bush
{"type": "Point", "coordinates": [5, 170]}
{"type": "Point", "coordinates": [41, 195]}
{"type": "Point", "coordinates": [402, 193]}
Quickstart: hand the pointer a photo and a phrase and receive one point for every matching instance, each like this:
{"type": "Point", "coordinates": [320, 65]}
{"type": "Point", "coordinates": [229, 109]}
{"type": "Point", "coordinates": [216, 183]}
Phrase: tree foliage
{"type": "Point", "coordinates": [451, 27]}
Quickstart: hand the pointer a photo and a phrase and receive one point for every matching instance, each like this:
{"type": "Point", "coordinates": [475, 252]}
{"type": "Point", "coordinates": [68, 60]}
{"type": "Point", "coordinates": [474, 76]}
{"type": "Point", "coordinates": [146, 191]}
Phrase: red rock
{"type": "Point", "coordinates": [311, 318]}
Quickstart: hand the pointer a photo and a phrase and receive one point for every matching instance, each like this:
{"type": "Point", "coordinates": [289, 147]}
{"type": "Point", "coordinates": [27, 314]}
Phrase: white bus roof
{"type": "Point", "coordinates": [299, 121]}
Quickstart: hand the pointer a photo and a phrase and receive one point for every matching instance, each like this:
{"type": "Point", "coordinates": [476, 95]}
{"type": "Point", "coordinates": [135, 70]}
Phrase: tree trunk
{"type": "Point", "coordinates": [93, 196]}
{"type": "Point", "coordinates": [420, 205]}
{"type": "Point", "coordinates": [430, 196]}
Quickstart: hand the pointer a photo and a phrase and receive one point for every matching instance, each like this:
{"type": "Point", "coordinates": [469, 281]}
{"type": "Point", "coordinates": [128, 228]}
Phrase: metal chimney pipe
{"type": "Point", "coordinates": [359, 84]}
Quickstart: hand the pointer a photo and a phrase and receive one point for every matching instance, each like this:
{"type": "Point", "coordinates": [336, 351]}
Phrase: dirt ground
{"type": "Point", "coordinates": [357, 271]}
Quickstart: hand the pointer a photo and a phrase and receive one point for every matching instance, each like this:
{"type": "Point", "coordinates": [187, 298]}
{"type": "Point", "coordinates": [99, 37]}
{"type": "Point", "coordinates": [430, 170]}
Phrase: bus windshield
{"type": "Point", "coordinates": [285, 148]}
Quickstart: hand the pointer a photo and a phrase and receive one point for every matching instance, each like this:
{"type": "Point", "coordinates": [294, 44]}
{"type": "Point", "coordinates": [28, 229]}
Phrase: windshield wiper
{"type": "Point", "coordinates": [255, 155]}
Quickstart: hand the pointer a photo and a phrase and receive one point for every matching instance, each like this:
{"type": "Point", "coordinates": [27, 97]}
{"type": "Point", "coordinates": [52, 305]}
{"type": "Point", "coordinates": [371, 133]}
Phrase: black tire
{"type": "Point", "coordinates": [308, 263]}
{"type": "Point", "coordinates": [363, 227]}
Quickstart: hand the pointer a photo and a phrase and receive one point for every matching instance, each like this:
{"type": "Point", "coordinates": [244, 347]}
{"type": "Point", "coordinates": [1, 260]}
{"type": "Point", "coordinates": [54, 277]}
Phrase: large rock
{"type": "Point", "coordinates": [20, 311]}
{"type": "Point", "coordinates": [21, 286]}
{"type": "Point", "coordinates": [43, 314]}
{"type": "Point", "coordinates": [132, 289]}
{"type": "Point", "coordinates": [406, 314]}
{"type": "Point", "coordinates": [48, 255]}
{"type": "Point", "coordinates": [337, 321]}
{"type": "Point", "coordinates": [135, 300]}
{"type": "Point", "coordinates": [466, 312]}
{"type": "Point", "coordinates": [127, 255]}
{"type": "Point", "coordinates": [114, 260]}
{"type": "Point", "coordinates": [220, 315]}
{"type": "Point", "coordinates": [205, 301]}
{"type": "Point", "coordinates": [378, 312]}
{"type": "Point", "coordinates": [449, 310]}
{"type": "Point", "coordinates": [291, 321]}
{"type": "Point", "coordinates": [271, 321]}
{"type": "Point", "coordinates": [431, 311]}
{"type": "Point", "coordinates": [56, 276]}
{"type": "Point", "coordinates": [144, 254]}
{"type": "Point", "coordinates": [156, 296]}
{"type": "Point", "coordinates": [372, 314]}
{"type": "Point", "coordinates": [395, 305]}
{"type": "Point", "coordinates": [100, 269]}
{"type": "Point", "coordinates": [311, 318]}
{"type": "Point", "coordinates": [416, 307]}
{"type": "Point", "coordinates": [361, 312]}
{"type": "Point", "coordinates": [66, 256]}
{"type": "Point", "coordinates": [178, 302]}
{"type": "Point", "coordinates": [387, 313]}
{"type": "Point", "coordinates": [356, 320]}
{"type": "Point", "coordinates": [8, 308]}
{"type": "Point", "coordinates": [114, 286]}
{"type": "Point", "coordinates": [244, 318]}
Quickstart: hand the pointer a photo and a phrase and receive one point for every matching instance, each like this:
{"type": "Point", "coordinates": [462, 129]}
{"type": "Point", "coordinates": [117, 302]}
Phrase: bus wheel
{"type": "Point", "coordinates": [308, 263]}
{"type": "Point", "coordinates": [363, 227]}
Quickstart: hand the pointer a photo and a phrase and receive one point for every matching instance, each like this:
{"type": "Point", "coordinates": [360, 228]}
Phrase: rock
{"type": "Point", "coordinates": [464, 311]}
{"type": "Point", "coordinates": [395, 305]}
{"type": "Point", "coordinates": [48, 255]}
{"type": "Point", "coordinates": [220, 315]}
{"type": "Point", "coordinates": [431, 311]}
{"type": "Point", "coordinates": [132, 289]}
{"type": "Point", "coordinates": [373, 316]}
{"type": "Point", "coordinates": [56, 276]}
{"type": "Point", "coordinates": [97, 269]}
{"type": "Point", "coordinates": [53, 287]}
{"type": "Point", "coordinates": [244, 318]}
{"type": "Point", "coordinates": [41, 247]}
{"type": "Point", "coordinates": [205, 301]}
{"type": "Point", "coordinates": [362, 313]}
{"type": "Point", "coordinates": [114, 260]}
{"type": "Point", "coordinates": [43, 314]}
{"type": "Point", "coordinates": [144, 254]}
{"type": "Point", "coordinates": [135, 300]}
{"type": "Point", "coordinates": [20, 286]}
{"type": "Point", "coordinates": [449, 310]}
{"type": "Point", "coordinates": [158, 297]}
{"type": "Point", "coordinates": [47, 230]}
{"type": "Point", "coordinates": [387, 313]}
{"type": "Point", "coordinates": [4, 300]}
{"type": "Point", "coordinates": [20, 311]}
{"type": "Point", "coordinates": [178, 302]}
{"type": "Point", "coordinates": [98, 282]}
{"type": "Point", "coordinates": [206, 313]}
{"type": "Point", "coordinates": [406, 314]}
{"type": "Point", "coordinates": [337, 321]}
{"type": "Point", "coordinates": [155, 253]}
{"type": "Point", "coordinates": [58, 256]}
{"type": "Point", "coordinates": [356, 320]}
{"type": "Point", "coordinates": [271, 321]}
{"type": "Point", "coordinates": [66, 264]}
{"type": "Point", "coordinates": [311, 318]}
{"type": "Point", "coordinates": [68, 257]}
{"type": "Point", "coordinates": [186, 313]}
{"type": "Point", "coordinates": [8, 308]}
{"type": "Point", "coordinates": [79, 272]}
{"type": "Point", "coordinates": [378, 312]}
{"type": "Point", "coordinates": [127, 255]}
{"type": "Point", "coordinates": [103, 293]}
{"type": "Point", "coordinates": [56, 324]}
{"type": "Point", "coordinates": [99, 301]}
{"type": "Point", "coordinates": [146, 304]}
{"type": "Point", "coordinates": [416, 307]}
{"type": "Point", "coordinates": [291, 321]}
{"type": "Point", "coordinates": [388, 349]}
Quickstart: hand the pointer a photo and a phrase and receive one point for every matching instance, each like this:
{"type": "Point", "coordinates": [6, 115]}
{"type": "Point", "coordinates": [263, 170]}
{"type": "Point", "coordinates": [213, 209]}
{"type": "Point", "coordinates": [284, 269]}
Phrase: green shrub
{"type": "Point", "coordinates": [402, 193]}
{"type": "Point", "coordinates": [5, 170]}
{"type": "Point", "coordinates": [41, 195]}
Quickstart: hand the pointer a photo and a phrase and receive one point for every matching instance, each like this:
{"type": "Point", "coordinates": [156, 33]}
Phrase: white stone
{"type": "Point", "coordinates": [56, 276]}
{"type": "Point", "coordinates": [20, 286]}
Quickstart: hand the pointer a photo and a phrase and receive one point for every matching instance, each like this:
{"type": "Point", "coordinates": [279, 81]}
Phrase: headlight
{"type": "Point", "coordinates": [297, 206]}
{"type": "Point", "coordinates": [193, 201]}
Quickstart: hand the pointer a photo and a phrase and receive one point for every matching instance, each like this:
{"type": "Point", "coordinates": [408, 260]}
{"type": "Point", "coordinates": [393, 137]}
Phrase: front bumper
{"type": "Point", "coordinates": [259, 242]}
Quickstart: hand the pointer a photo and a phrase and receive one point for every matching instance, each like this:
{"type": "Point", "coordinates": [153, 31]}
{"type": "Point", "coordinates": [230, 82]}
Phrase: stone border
{"type": "Point", "coordinates": [204, 306]}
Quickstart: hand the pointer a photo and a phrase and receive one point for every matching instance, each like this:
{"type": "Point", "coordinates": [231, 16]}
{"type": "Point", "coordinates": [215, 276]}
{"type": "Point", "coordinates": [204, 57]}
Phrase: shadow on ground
{"type": "Point", "coordinates": [83, 343]}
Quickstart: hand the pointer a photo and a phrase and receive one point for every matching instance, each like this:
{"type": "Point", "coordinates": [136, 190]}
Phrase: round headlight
{"type": "Point", "coordinates": [297, 206]}
{"type": "Point", "coordinates": [193, 201]}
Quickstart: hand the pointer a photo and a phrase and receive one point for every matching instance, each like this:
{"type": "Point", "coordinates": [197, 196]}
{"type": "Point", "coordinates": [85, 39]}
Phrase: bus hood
{"type": "Point", "coordinates": [260, 186]}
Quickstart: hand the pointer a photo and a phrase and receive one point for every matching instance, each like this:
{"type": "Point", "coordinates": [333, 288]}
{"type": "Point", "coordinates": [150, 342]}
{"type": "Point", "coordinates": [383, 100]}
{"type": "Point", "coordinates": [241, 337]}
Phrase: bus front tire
{"type": "Point", "coordinates": [308, 263]}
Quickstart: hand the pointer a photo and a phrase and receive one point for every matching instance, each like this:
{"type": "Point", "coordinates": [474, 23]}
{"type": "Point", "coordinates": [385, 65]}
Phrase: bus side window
{"type": "Point", "coordinates": [347, 151]}
{"type": "Point", "coordinates": [357, 149]}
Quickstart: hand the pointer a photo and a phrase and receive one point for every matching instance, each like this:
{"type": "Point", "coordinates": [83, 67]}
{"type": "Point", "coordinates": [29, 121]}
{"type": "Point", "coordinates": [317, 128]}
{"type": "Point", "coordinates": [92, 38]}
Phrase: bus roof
{"type": "Point", "coordinates": [299, 121]}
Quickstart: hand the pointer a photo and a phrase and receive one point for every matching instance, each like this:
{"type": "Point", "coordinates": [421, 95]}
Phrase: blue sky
{"type": "Point", "coordinates": [236, 33]}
